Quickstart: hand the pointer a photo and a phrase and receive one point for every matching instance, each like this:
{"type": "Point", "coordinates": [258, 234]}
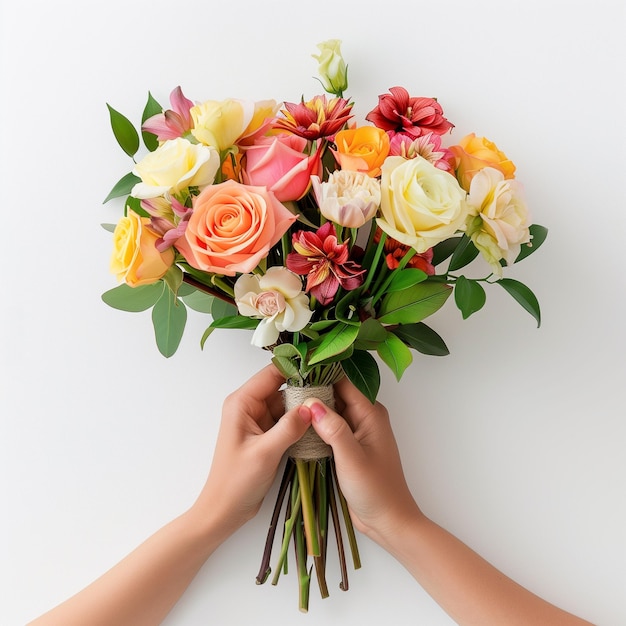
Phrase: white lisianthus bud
{"type": "Point", "coordinates": [332, 68]}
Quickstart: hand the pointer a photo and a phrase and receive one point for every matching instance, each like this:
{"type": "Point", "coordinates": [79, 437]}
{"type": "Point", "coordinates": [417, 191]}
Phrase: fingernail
{"type": "Point", "coordinates": [305, 414]}
{"type": "Point", "coordinates": [317, 409]}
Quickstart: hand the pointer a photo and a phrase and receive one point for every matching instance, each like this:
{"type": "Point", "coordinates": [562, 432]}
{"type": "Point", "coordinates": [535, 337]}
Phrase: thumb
{"type": "Point", "coordinates": [333, 429]}
{"type": "Point", "coordinates": [289, 429]}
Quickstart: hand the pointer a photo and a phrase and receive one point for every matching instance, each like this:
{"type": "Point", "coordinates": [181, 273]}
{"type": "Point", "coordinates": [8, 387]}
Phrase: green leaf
{"type": "Point", "coordinates": [287, 351]}
{"type": "Point", "coordinates": [322, 325]}
{"type": "Point", "coordinates": [464, 254]}
{"type": "Point", "coordinates": [395, 353]}
{"type": "Point", "coordinates": [134, 204]}
{"type": "Point", "coordinates": [169, 317]}
{"type": "Point", "coordinates": [122, 187]}
{"type": "Point", "coordinates": [523, 295]}
{"type": "Point", "coordinates": [235, 321]}
{"type": "Point", "coordinates": [133, 299]}
{"type": "Point", "coordinates": [205, 336]}
{"type": "Point", "coordinates": [371, 333]}
{"type": "Point", "coordinates": [539, 234]}
{"type": "Point", "coordinates": [362, 371]}
{"type": "Point", "coordinates": [406, 278]}
{"type": "Point", "coordinates": [469, 296]}
{"type": "Point", "coordinates": [152, 108]}
{"type": "Point", "coordinates": [444, 250]}
{"type": "Point", "coordinates": [336, 341]}
{"type": "Point", "coordinates": [198, 301]}
{"type": "Point", "coordinates": [286, 367]}
{"type": "Point", "coordinates": [124, 132]}
{"type": "Point", "coordinates": [109, 227]}
{"type": "Point", "coordinates": [422, 338]}
{"type": "Point", "coordinates": [413, 305]}
{"type": "Point", "coordinates": [222, 309]}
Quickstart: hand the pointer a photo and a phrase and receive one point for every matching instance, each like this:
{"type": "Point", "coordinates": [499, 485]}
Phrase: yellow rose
{"type": "Point", "coordinates": [473, 153]}
{"type": "Point", "coordinates": [173, 166]}
{"type": "Point", "coordinates": [221, 123]}
{"type": "Point", "coordinates": [421, 205]}
{"type": "Point", "coordinates": [332, 68]}
{"type": "Point", "coordinates": [362, 149]}
{"type": "Point", "coordinates": [135, 259]}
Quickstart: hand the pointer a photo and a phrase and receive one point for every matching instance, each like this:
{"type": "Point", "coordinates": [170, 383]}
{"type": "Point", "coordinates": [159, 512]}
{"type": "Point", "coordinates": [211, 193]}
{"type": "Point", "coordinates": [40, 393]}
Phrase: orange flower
{"type": "Point", "coordinates": [472, 154]}
{"type": "Point", "coordinates": [362, 149]}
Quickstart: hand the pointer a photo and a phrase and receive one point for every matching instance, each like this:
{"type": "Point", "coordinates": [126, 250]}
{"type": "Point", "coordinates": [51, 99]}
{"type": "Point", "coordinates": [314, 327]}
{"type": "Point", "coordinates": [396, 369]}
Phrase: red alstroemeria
{"type": "Point", "coordinates": [325, 262]}
{"type": "Point", "coordinates": [316, 118]}
{"type": "Point", "coordinates": [399, 113]}
{"type": "Point", "coordinates": [174, 122]}
{"type": "Point", "coordinates": [395, 251]}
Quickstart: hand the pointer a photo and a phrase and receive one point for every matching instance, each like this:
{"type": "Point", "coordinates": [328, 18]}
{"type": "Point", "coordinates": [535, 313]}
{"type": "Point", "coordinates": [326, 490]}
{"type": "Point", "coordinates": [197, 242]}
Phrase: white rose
{"type": "Point", "coordinates": [173, 166]}
{"type": "Point", "coordinates": [421, 205]}
{"type": "Point", "coordinates": [348, 198]}
{"type": "Point", "coordinates": [500, 219]}
{"type": "Point", "coordinates": [277, 299]}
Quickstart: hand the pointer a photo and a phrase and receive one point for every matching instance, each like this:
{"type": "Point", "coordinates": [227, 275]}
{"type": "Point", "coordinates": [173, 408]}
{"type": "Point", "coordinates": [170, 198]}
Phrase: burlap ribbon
{"type": "Point", "coordinates": [310, 447]}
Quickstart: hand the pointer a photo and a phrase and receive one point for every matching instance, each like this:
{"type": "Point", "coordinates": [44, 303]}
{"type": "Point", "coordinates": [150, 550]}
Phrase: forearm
{"type": "Point", "coordinates": [467, 587]}
{"type": "Point", "coordinates": [142, 588]}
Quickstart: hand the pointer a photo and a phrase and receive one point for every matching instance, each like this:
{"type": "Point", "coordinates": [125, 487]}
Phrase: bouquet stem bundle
{"type": "Point", "coordinates": [312, 500]}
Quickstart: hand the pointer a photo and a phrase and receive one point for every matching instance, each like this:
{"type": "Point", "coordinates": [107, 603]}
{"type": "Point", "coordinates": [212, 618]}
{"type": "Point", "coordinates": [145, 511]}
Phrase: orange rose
{"type": "Point", "coordinates": [472, 154]}
{"type": "Point", "coordinates": [232, 228]}
{"type": "Point", "coordinates": [362, 149]}
{"type": "Point", "coordinates": [135, 259]}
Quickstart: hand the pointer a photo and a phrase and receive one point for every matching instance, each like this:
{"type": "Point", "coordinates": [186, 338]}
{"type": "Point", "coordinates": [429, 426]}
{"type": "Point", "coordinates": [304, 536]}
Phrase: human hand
{"type": "Point", "coordinates": [250, 445]}
{"type": "Point", "coordinates": [367, 460]}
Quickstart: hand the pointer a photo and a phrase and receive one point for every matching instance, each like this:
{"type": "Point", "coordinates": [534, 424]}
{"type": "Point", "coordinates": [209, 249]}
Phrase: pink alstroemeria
{"type": "Point", "coordinates": [427, 146]}
{"type": "Point", "coordinates": [174, 122]}
{"type": "Point", "coordinates": [325, 262]}
{"type": "Point", "coordinates": [168, 220]}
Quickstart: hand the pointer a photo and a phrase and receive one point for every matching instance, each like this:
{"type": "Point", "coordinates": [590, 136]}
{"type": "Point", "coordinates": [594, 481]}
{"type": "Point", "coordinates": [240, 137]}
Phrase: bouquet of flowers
{"type": "Point", "coordinates": [332, 240]}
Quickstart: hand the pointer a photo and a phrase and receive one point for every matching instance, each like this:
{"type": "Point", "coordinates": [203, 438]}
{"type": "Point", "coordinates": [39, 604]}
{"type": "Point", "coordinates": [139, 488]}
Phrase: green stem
{"type": "Point", "coordinates": [403, 263]}
{"type": "Point", "coordinates": [343, 585]}
{"type": "Point", "coordinates": [372, 269]}
{"type": "Point", "coordinates": [289, 523]}
{"type": "Point", "coordinates": [354, 549]}
{"type": "Point", "coordinates": [321, 493]}
{"type": "Point", "coordinates": [308, 512]}
{"type": "Point", "coordinates": [304, 574]}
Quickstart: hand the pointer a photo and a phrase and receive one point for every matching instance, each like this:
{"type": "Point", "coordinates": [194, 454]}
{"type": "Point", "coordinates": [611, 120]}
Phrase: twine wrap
{"type": "Point", "coordinates": [310, 447]}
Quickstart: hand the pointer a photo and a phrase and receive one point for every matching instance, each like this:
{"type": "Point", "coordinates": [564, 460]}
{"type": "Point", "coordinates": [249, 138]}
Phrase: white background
{"type": "Point", "coordinates": [515, 441]}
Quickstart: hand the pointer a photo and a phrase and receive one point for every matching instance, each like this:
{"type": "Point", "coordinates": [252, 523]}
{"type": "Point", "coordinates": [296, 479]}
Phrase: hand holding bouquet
{"type": "Point", "coordinates": [331, 240]}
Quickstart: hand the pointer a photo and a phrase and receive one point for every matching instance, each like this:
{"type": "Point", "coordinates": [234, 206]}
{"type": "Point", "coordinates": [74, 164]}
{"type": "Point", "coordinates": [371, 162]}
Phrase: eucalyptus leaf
{"type": "Point", "coordinates": [463, 255]}
{"type": "Point", "coordinates": [198, 300]}
{"type": "Point", "coordinates": [235, 321]}
{"type": "Point", "coordinates": [524, 296]}
{"type": "Point", "coordinates": [124, 132]}
{"type": "Point", "coordinates": [169, 317]}
{"type": "Point", "coordinates": [133, 299]}
{"type": "Point", "coordinates": [538, 234]}
{"type": "Point", "coordinates": [362, 371]}
{"type": "Point", "coordinates": [422, 338]}
{"type": "Point", "coordinates": [221, 309]}
{"type": "Point", "coordinates": [469, 296]}
{"type": "Point", "coordinates": [122, 187]}
{"type": "Point", "coordinates": [174, 278]}
{"type": "Point", "coordinates": [414, 304]}
{"type": "Point", "coordinates": [134, 204]}
{"type": "Point", "coordinates": [334, 342]}
{"type": "Point", "coordinates": [395, 354]}
{"type": "Point", "coordinates": [109, 227]}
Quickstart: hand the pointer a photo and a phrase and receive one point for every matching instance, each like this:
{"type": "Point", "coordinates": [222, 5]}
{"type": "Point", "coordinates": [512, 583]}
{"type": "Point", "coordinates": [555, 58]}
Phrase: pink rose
{"type": "Point", "coordinates": [232, 228]}
{"type": "Point", "coordinates": [280, 164]}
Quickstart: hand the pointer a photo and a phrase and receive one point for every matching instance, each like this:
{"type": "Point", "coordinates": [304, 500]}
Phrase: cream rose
{"type": "Point", "coordinates": [421, 205]}
{"type": "Point", "coordinates": [277, 299]}
{"type": "Point", "coordinates": [173, 166]}
{"type": "Point", "coordinates": [135, 258]}
{"type": "Point", "coordinates": [348, 198]}
{"type": "Point", "coordinates": [500, 220]}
